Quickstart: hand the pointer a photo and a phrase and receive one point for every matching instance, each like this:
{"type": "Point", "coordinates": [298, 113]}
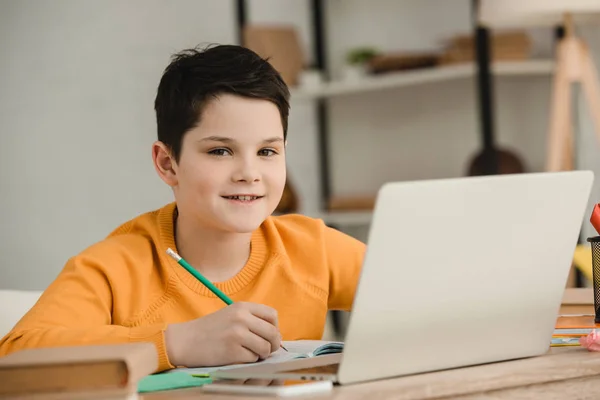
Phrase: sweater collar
{"type": "Point", "coordinates": [258, 256]}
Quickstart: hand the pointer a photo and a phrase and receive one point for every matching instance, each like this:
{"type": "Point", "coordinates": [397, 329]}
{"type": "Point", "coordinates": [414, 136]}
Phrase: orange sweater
{"type": "Point", "coordinates": [127, 289]}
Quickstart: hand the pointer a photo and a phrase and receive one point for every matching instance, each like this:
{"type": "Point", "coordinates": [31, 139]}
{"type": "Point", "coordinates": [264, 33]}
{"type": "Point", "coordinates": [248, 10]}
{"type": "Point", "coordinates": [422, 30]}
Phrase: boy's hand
{"type": "Point", "coordinates": [239, 333]}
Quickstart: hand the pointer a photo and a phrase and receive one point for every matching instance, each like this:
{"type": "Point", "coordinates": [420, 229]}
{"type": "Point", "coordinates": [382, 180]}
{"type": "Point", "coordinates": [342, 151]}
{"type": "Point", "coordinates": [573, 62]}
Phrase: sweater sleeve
{"type": "Point", "coordinates": [344, 257]}
{"type": "Point", "coordinates": [76, 310]}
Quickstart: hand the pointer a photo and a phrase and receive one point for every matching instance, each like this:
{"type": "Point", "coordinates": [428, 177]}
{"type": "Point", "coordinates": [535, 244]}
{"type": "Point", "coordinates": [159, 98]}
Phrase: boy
{"type": "Point", "coordinates": [222, 124]}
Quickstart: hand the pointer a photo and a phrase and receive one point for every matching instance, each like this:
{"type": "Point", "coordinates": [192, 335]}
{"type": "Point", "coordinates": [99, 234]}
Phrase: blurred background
{"type": "Point", "coordinates": [382, 90]}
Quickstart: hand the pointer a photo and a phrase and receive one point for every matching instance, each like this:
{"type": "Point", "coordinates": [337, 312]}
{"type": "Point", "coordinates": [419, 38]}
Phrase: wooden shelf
{"type": "Point", "coordinates": [421, 76]}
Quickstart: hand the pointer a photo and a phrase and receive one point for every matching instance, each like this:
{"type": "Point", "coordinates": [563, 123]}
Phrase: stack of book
{"type": "Point", "coordinates": [77, 372]}
{"type": "Point", "coordinates": [569, 329]}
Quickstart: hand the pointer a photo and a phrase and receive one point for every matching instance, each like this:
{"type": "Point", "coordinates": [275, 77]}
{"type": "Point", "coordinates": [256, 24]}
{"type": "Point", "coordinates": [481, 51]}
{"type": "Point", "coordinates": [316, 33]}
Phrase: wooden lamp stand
{"type": "Point", "coordinates": [574, 64]}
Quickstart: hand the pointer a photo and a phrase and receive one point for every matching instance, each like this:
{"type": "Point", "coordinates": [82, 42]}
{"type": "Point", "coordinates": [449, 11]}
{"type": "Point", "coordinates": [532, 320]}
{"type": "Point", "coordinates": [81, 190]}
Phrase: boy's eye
{"type": "Point", "coordinates": [219, 152]}
{"type": "Point", "coordinates": [267, 152]}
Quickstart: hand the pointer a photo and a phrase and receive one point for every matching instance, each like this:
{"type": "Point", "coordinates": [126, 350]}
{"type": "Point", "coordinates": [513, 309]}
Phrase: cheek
{"type": "Point", "coordinates": [198, 179]}
{"type": "Point", "coordinates": [277, 178]}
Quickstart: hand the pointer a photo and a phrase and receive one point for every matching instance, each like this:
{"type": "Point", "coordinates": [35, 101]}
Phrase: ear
{"type": "Point", "coordinates": [165, 165]}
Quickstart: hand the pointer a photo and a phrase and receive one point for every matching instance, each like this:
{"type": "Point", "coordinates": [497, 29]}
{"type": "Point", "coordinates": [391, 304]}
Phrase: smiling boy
{"type": "Point", "coordinates": [222, 127]}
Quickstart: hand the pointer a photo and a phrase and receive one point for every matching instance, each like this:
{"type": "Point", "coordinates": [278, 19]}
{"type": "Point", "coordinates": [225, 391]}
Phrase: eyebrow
{"type": "Point", "coordinates": [224, 139]}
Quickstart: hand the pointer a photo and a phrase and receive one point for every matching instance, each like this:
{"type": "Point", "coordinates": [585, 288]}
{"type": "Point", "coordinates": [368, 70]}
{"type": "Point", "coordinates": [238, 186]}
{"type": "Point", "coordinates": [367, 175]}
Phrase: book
{"type": "Point", "coordinates": [82, 372]}
{"type": "Point", "coordinates": [296, 349]}
{"type": "Point", "coordinates": [574, 325]}
{"type": "Point", "coordinates": [169, 381]}
{"type": "Point", "coordinates": [572, 332]}
{"type": "Point", "coordinates": [311, 348]}
{"type": "Point", "coordinates": [564, 341]}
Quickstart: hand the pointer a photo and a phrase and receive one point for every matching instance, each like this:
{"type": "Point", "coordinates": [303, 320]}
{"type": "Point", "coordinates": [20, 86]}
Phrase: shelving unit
{"type": "Point", "coordinates": [406, 79]}
{"type": "Point", "coordinates": [480, 72]}
{"type": "Point", "coordinates": [419, 77]}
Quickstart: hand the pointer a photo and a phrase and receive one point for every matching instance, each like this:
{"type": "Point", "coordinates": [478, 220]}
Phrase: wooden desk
{"type": "Point", "coordinates": [563, 373]}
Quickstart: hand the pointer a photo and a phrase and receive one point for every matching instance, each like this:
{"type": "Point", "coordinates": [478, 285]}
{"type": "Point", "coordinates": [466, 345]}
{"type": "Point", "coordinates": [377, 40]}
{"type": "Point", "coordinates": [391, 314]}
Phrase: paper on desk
{"type": "Point", "coordinates": [296, 349]}
{"type": "Point", "coordinates": [308, 347]}
{"type": "Point", "coordinates": [564, 341]}
{"type": "Point", "coordinates": [278, 356]}
{"type": "Point", "coordinates": [168, 381]}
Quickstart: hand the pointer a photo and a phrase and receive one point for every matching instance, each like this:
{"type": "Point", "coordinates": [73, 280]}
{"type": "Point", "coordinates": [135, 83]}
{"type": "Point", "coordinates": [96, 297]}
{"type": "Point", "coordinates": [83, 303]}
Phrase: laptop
{"type": "Point", "coordinates": [458, 272]}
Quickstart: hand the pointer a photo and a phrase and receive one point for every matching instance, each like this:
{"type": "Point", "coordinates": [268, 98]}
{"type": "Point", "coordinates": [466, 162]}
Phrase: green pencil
{"type": "Point", "coordinates": [202, 279]}
{"type": "Point", "coordinates": [199, 276]}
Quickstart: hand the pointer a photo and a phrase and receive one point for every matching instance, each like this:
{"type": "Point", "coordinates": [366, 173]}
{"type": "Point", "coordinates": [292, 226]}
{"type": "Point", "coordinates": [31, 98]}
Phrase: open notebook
{"type": "Point", "coordinates": [296, 349]}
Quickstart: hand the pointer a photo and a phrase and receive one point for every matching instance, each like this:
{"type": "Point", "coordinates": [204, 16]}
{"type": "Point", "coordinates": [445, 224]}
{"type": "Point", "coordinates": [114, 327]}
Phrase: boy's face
{"type": "Point", "coordinates": [232, 171]}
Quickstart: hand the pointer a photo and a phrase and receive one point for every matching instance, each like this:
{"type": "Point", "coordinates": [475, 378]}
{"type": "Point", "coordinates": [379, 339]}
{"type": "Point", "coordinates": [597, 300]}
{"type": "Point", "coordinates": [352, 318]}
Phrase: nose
{"type": "Point", "coordinates": [246, 171]}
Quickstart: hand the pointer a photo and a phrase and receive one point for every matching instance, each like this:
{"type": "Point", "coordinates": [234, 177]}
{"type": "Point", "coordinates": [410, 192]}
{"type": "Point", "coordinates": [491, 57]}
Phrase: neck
{"type": "Point", "coordinates": [218, 255]}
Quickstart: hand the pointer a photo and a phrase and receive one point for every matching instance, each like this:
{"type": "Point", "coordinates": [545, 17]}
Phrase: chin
{"type": "Point", "coordinates": [243, 225]}
{"type": "Point", "coordinates": [243, 228]}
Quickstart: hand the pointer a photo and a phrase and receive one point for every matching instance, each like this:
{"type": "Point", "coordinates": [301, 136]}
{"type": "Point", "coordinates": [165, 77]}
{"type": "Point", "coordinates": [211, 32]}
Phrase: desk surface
{"type": "Point", "coordinates": [563, 373]}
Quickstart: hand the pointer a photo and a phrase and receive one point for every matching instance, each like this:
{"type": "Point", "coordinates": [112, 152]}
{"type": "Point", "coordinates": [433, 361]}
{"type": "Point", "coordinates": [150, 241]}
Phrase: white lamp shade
{"type": "Point", "coordinates": [530, 13]}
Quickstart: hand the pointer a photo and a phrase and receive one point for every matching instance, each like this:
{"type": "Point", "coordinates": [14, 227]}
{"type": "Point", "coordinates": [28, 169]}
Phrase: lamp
{"type": "Point", "coordinates": [574, 63]}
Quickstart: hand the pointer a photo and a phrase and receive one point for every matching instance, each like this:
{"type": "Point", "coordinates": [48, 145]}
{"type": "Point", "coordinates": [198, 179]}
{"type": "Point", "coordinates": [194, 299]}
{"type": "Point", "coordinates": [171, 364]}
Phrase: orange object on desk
{"type": "Point", "coordinates": [595, 218]}
{"type": "Point", "coordinates": [576, 322]}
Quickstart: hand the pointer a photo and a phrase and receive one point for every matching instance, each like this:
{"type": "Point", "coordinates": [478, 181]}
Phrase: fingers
{"type": "Point", "coordinates": [257, 345]}
{"type": "Point", "coordinates": [256, 328]}
{"type": "Point", "coordinates": [266, 331]}
{"type": "Point", "coordinates": [263, 312]}
{"type": "Point", "coordinates": [245, 355]}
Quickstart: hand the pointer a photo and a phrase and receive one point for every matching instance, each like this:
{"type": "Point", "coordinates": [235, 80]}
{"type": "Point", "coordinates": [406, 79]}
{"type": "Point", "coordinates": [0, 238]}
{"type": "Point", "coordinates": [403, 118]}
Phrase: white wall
{"type": "Point", "coordinates": [78, 81]}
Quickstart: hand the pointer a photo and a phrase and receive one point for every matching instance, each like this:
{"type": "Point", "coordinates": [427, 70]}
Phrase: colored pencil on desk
{"type": "Point", "coordinates": [202, 279]}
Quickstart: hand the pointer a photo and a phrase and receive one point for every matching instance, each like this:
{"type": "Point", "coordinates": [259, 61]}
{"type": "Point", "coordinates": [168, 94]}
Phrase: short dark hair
{"type": "Point", "coordinates": [195, 76]}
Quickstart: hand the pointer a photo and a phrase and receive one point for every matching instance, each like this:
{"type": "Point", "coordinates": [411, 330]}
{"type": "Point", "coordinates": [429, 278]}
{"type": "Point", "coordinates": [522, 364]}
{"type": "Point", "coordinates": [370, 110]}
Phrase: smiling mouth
{"type": "Point", "coordinates": [242, 198]}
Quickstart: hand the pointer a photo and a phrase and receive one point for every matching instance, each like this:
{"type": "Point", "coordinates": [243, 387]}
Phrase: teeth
{"type": "Point", "coordinates": [243, 198]}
